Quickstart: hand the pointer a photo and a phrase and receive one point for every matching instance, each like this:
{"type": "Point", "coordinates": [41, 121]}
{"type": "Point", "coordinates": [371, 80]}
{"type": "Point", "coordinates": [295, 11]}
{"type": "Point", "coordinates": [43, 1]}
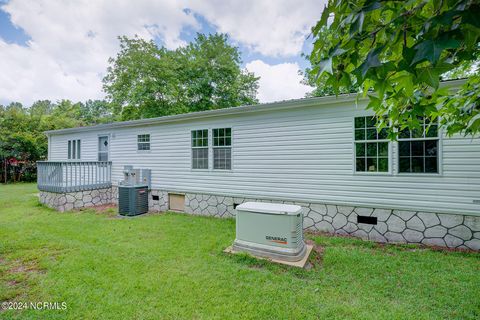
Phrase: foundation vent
{"type": "Point", "coordinates": [367, 220]}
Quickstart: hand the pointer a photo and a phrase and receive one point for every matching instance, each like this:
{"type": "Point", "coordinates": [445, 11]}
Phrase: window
{"type": "Point", "coordinates": [103, 148]}
{"type": "Point", "coordinates": [418, 149]}
{"type": "Point", "coordinates": [200, 149]}
{"type": "Point", "coordinates": [143, 142]}
{"type": "Point", "coordinates": [371, 146]}
{"type": "Point", "coordinates": [73, 149]}
{"type": "Point", "coordinates": [222, 148]}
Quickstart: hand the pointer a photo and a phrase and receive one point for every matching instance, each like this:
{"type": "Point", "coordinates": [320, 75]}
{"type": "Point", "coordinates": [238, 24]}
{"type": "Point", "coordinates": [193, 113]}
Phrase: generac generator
{"type": "Point", "coordinates": [270, 230]}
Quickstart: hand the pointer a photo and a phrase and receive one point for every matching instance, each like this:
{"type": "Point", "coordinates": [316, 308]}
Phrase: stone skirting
{"type": "Point", "coordinates": [392, 226]}
{"type": "Point", "coordinates": [76, 200]}
{"type": "Point", "coordinates": [159, 205]}
{"type": "Point", "coordinates": [395, 226]}
{"type": "Point", "coordinates": [211, 205]}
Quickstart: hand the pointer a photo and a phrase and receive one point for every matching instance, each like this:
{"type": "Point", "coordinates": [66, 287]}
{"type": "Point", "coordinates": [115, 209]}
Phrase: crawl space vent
{"type": "Point", "coordinates": [366, 220]}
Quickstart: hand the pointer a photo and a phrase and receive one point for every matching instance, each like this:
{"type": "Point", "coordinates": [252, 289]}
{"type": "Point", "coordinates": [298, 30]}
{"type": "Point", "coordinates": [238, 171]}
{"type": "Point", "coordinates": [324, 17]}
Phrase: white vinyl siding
{"type": "Point", "coordinates": [302, 154]}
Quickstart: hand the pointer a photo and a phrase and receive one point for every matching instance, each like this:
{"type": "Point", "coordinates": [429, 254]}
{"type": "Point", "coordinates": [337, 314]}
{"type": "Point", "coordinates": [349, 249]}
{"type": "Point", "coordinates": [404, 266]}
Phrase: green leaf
{"type": "Point", "coordinates": [372, 6]}
{"type": "Point", "coordinates": [337, 51]}
{"type": "Point", "coordinates": [357, 25]}
{"type": "Point", "coordinates": [404, 81]}
{"type": "Point", "coordinates": [345, 80]}
{"type": "Point", "coordinates": [325, 14]}
{"type": "Point", "coordinates": [374, 103]}
{"type": "Point", "coordinates": [471, 16]}
{"type": "Point", "coordinates": [430, 50]}
{"type": "Point", "coordinates": [429, 76]}
{"type": "Point", "coordinates": [325, 66]}
{"type": "Point", "coordinates": [371, 61]}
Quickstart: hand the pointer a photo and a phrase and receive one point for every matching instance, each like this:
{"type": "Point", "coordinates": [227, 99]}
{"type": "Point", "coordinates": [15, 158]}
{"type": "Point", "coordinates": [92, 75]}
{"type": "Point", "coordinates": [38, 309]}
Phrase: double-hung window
{"type": "Point", "coordinates": [222, 149]}
{"type": "Point", "coordinates": [418, 149]}
{"type": "Point", "coordinates": [200, 149]}
{"type": "Point", "coordinates": [371, 146]}
{"type": "Point", "coordinates": [74, 149]}
{"type": "Point", "coordinates": [143, 142]}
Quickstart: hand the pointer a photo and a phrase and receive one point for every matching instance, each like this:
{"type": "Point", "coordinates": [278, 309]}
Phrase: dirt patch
{"type": "Point", "coordinates": [116, 215]}
{"type": "Point", "coordinates": [16, 277]}
{"type": "Point", "coordinates": [25, 267]}
{"type": "Point", "coordinates": [12, 283]}
{"type": "Point", "coordinates": [101, 209]}
{"type": "Point", "coordinates": [316, 256]}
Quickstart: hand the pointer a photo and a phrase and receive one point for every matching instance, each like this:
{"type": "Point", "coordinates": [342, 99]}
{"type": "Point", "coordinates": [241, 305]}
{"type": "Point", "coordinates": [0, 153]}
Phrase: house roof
{"type": "Point", "coordinates": [279, 105]}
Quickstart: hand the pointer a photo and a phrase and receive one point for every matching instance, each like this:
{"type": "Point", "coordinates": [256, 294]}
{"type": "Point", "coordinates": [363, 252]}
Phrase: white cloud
{"type": "Point", "coordinates": [29, 74]}
{"type": "Point", "coordinates": [278, 82]}
{"type": "Point", "coordinates": [270, 27]}
{"type": "Point", "coordinates": [71, 41]}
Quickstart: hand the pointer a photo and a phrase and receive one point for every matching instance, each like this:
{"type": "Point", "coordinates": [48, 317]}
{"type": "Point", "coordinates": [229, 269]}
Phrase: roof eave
{"type": "Point", "coordinates": [304, 102]}
{"type": "Point", "coordinates": [213, 113]}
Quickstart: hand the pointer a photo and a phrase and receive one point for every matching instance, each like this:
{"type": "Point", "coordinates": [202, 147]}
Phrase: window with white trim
{"type": "Point", "coordinates": [222, 148]}
{"type": "Point", "coordinates": [371, 146]}
{"type": "Point", "coordinates": [200, 149]}
{"type": "Point", "coordinates": [74, 149]}
{"type": "Point", "coordinates": [143, 142]}
{"type": "Point", "coordinates": [418, 149]}
{"type": "Point", "coordinates": [103, 148]}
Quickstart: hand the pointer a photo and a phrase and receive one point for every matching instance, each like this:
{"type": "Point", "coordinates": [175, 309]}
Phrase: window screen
{"type": "Point", "coordinates": [143, 142]}
{"type": "Point", "coordinates": [371, 146]}
{"type": "Point", "coordinates": [418, 149]}
{"type": "Point", "coordinates": [74, 149]}
{"type": "Point", "coordinates": [222, 149]}
{"type": "Point", "coordinates": [200, 149]}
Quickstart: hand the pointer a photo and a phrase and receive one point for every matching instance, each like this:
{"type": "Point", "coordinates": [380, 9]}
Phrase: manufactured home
{"type": "Point", "coordinates": [323, 154]}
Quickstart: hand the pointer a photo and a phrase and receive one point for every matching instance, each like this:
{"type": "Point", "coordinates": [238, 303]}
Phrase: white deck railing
{"type": "Point", "coordinates": [72, 176]}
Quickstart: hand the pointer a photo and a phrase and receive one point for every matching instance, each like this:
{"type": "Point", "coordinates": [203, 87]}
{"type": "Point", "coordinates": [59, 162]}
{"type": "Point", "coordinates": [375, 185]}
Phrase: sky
{"type": "Point", "coordinates": [55, 49]}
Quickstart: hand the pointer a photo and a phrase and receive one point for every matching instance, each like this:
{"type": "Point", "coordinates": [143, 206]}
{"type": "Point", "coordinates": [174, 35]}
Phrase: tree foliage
{"type": "Point", "coordinates": [401, 50]}
{"type": "Point", "coordinates": [22, 140]}
{"type": "Point", "coordinates": [145, 80]}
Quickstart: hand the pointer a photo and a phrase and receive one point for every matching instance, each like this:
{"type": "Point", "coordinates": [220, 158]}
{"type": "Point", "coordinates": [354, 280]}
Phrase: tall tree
{"type": "Point", "coordinates": [401, 50]}
{"type": "Point", "coordinates": [147, 81]}
{"type": "Point", "coordinates": [212, 76]}
{"type": "Point", "coordinates": [96, 112]}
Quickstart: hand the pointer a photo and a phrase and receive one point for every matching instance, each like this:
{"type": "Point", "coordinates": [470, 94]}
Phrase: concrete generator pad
{"type": "Point", "coordinates": [298, 264]}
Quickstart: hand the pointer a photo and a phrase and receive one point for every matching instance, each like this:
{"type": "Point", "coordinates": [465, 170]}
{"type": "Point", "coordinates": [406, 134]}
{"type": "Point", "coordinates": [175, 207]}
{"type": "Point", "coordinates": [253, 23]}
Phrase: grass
{"type": "Point", "coordinates": [172, 266]}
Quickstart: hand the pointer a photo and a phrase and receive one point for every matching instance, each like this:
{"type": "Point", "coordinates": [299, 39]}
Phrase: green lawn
{"type": "Point", "coordinates": [172, 266]}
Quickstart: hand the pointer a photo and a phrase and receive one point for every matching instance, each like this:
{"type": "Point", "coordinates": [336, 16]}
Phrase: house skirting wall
{"type": "Point", "coordinates": [392, 226]}
{"type": "Point", "coordinates": [76, 200]}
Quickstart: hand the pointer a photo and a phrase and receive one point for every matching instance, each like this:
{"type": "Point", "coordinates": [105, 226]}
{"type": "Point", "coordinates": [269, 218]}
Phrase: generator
{"type": "Point", "coordinates": [133, 191]}
{"type": "Point", "coordinates": [270, 230]}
